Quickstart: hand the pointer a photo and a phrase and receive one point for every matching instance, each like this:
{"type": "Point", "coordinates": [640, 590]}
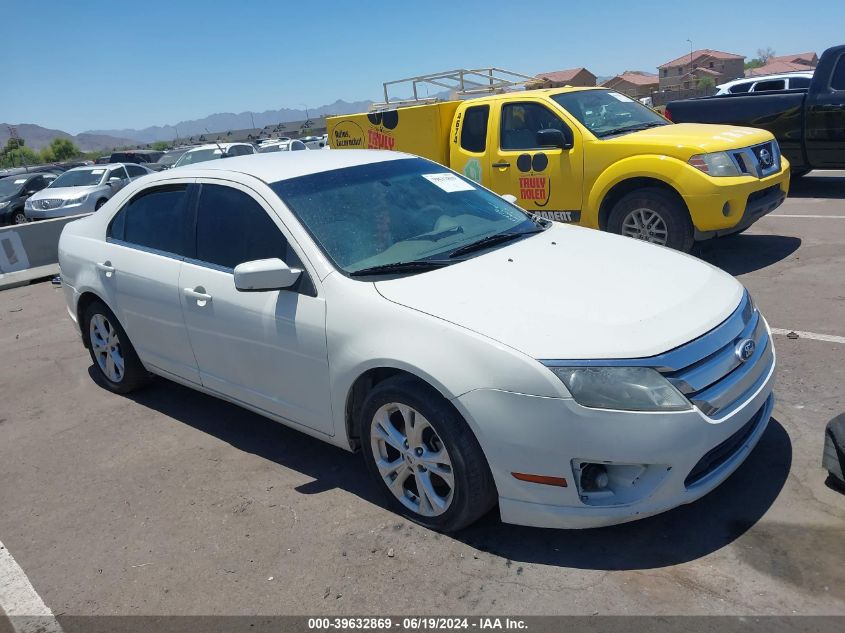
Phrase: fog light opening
{"type": "Point", "coordinates": [726, 210]}
{"type": "Point", "coordinates": [594, 478]}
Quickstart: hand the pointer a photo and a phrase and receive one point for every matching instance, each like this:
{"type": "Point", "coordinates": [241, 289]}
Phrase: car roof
{"type": "Point", "coordinates": [100, 166]}
{"type": "Point", "coordinates": [742, 80]}
{"type": "Point", "coordinates": [215, 146]}
{"type": "Point", "coordinates": [275, 166]}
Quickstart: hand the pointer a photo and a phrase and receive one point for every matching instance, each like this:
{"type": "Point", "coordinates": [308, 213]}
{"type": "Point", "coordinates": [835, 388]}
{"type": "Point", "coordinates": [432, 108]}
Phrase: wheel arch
{"type": "Point", "coordinates": [624, 187]}
{"type": "Point", "coordinates": [86, 299]}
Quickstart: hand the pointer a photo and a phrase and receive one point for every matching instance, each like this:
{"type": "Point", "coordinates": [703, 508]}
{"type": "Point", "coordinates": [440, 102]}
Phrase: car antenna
{"type": "Point", "coordinates": [217, 143]}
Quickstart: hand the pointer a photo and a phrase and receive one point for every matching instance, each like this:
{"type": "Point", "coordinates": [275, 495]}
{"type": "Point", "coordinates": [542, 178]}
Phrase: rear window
{"type": "Point", "coordinates": [799, 82]}
{"type": "Point", "coordinates": [156, 219]}
{"type": "Point", "coordinates": [474, 130]}
{"type": "Point", "coordinates": [772, 84]}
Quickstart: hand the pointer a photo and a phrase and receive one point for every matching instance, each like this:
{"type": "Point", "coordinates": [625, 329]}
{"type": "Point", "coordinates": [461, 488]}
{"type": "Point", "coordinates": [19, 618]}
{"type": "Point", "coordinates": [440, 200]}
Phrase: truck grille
{"type": "Point", "coordinates": [710, 370]}
{"type": "Point", "coordinates": [758, 160]}
{"type": "Point", "coordinates": [45, 204]}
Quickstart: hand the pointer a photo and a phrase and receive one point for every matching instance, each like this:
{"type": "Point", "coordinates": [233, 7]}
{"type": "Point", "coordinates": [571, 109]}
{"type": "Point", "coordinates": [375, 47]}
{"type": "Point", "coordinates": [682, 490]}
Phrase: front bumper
{"type": "Point", "coordinates": [61, 212]}
{"type": "Point", "coordinates": [747, 199]}
{"type": "Point", "coordinates": [686, 453]}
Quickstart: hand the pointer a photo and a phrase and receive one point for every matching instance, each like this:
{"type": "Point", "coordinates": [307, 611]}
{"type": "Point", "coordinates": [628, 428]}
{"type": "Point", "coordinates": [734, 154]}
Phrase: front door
{"type": "Point", "coordinates": [825, 121]}
{"type": "Point", "coordinates": [545, 180]}
{"type": "Point", "coordinates": [268, 348]}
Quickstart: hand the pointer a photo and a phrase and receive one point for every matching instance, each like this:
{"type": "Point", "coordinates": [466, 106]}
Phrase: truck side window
{"type": "Point", "coordinates": [837, 81]}
{"type": "Point", "coordinates": [766, 86]}
{"type": "Point", "coordinates": [522, 121]}
{"type": "Point", "coordinates": [474, 130]}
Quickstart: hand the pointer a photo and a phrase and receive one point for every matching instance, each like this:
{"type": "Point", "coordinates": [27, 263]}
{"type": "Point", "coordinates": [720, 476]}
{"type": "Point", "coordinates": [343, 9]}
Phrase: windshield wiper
{"type": "Point", "coordinates": [491, 240]}
{"type": "Point", "coordinates": [632, 128]}
{"type": "Point", "coordinates": [400, 267]}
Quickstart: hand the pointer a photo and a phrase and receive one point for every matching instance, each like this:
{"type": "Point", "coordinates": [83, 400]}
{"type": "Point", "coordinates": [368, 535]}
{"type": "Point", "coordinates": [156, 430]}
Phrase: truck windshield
{"type": "Point", "coordinates": [607, 113]}
{"type": "Point", "coordinates": [402, 215]}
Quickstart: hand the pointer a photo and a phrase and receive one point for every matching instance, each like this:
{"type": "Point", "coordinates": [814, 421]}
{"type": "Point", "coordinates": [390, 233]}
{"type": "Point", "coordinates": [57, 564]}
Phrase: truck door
{"type": "Point", "coordinates": [469, 143]}
{"type": "Point", "coordinates": [825, 119]}
{"type": "Point", "coordinates": [545, 180]}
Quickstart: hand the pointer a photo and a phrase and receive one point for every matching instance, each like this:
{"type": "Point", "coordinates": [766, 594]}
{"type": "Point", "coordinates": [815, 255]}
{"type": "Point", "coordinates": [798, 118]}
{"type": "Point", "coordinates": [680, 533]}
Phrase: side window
{"type": "Point", "coordinates": [135, 171]}
{"type": "Point", "coordinates": [766, 86]}
{"type": "Point", "coordinates": [474, 129]}
{"type": "Point", "coordinates": [522, 121]}
{"type": "Point", "coordinates": [741, 88]}
{"type": "Point", "coordinates": [799, 82]}
{"type": "Point", "coordinates": [117, 172]}
{"type": "Point", "coordinates": [297, 145]}
{"type": "Point", "coordinates": [157, 218]}
{"type": "Point", "coordinates": [37, 183]}
{"type": "Point", "coordinates": [837, 81]}
{"type": "Point", "coordinates": [232, 228]}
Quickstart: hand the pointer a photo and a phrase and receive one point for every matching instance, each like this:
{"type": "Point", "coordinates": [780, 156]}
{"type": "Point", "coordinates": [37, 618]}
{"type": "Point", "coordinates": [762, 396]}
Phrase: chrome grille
{"type": "Point", "coordinates": [758, 160]}
{"type": "Point", "coordinates": [45, 204]}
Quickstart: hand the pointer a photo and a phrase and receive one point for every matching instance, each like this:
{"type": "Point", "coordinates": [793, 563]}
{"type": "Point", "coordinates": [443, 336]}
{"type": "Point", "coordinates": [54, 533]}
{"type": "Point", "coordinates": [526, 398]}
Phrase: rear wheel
{"type": "Point", "coordinates": [424, 456]}
{"type": "Point", "coordinates": [116, 361]}
{"type": "Point", "coordinates": [654, 216]}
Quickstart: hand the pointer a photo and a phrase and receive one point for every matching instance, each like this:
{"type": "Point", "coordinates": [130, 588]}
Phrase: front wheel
{"type": "Point", "coordinates": [19, 217]}
{"type": "Point", "coordinates": [424, 457]}
{"type": "Point", "coordinates": [99, 204]}
{"type": "Point", "coordinates": [654, 216]}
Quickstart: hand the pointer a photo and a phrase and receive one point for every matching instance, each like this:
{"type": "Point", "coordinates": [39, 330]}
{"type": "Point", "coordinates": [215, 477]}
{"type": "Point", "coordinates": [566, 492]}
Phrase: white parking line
{"type": "Point", "coordinates": [830, 338]}
{"type": "Point", "coordinates": [19, 601]}
{"type": "Point", "coordinates": [828, 217]}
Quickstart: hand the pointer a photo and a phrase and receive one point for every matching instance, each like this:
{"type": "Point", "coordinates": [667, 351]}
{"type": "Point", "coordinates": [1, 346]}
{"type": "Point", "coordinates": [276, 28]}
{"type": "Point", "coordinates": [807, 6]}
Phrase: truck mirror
{"type": "Point", "coordinates": [554, 138]}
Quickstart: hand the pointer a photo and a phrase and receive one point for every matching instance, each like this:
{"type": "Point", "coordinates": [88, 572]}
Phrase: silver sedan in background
{"type": "Point", "coordinates": [82, 190]}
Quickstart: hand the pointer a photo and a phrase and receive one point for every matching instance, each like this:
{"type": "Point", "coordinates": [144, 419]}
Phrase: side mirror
{"type": "Point", "coordinates": [265, 274]}
{"type": "Point", "coordinates": [114, 180]}
{"type": "Point", "coordinates": [509, 197]}
{"type": "Point", "coordinates": [555, 138]}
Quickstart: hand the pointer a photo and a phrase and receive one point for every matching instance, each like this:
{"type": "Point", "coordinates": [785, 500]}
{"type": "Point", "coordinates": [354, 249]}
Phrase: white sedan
{"type": "Point", "coordinates": [474, 353]}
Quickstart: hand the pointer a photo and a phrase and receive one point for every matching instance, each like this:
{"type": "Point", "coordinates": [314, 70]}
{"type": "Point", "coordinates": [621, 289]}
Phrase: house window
{"type": "Point", "coordinates": [711, 64]}
{"type": "Point", "coordinates": [680, 70]}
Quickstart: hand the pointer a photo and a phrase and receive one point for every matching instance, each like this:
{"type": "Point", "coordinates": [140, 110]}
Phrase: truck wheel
{"type": "Point", "coordinates": [654, 216]}
{"type": "Point", "coordinates": [424, 457]}
{"type": "Point", "coordinates": [116, 362]}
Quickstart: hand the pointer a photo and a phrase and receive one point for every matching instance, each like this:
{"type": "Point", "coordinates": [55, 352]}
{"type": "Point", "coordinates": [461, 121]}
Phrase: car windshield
{"type": "Point", "coordinates": [398, 212]}
{"type": "Point", "coordinates": [607, 113]}
{"type": "Point", "coordinates": [11, 186]}
{"type": "Point", "coordinates": [170, 158]}
{"type": "Point", "coordinates": [79, 178]}
{"type": "Point", "coordinates": [198, 156]}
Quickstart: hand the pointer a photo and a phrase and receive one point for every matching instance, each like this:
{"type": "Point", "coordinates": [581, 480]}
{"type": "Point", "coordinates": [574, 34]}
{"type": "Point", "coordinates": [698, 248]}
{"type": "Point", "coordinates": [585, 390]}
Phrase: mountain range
{"type": "Point", "coordinates": [224, 121]}
{"type": "Point", "coordinates": [37, 137]}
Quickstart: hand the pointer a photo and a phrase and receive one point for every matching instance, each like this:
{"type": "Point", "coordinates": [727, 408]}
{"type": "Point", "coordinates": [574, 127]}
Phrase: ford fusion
{"type": "Point", "coordinates": [474, 354]}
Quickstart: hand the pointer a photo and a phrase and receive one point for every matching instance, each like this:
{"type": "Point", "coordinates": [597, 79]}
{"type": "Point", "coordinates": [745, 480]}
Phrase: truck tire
{"type": "Point", "coordinates": [652, 215]}
{"type": "Point", "coordinates": [116, 363]}
{"type": "Point", "coordinates": [424, 457]}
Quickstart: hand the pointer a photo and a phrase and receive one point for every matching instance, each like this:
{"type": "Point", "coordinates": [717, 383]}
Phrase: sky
{"type": "Point", "coordinates": [91, 64]}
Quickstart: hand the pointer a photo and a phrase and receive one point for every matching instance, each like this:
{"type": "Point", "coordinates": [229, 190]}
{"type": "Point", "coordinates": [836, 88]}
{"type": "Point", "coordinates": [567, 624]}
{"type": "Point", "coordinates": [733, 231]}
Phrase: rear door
{"type": "Point", "coordinates": [266, 349]}
{"type": "Point", "coordinates": [825, 118]}
{"type": "Point", "coordinates": [545, 180]}
{"type": "Point", "coordinates": [470, 142]}
{"type": "Point", "coordinates": [139, 269]}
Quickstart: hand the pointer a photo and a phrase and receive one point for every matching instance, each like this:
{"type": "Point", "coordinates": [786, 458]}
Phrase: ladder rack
{"type": "Point", "coordinates": [462, 83]}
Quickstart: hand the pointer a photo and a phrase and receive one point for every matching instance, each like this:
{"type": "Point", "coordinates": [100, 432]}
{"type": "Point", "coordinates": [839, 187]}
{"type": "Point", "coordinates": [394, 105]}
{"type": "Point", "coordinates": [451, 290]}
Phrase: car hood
{"type": "Point", "coordinates": [64, 193]}
{"type": "Point", "coordinates": [683, 140]}
{"type": "Point", "coordinates": [576, 293]}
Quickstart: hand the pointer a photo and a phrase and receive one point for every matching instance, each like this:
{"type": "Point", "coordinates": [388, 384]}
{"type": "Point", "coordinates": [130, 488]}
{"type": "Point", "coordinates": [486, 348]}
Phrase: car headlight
{"type": "Point", "coordinates": [78, 200]}
{"type": "Point", "coordinates": [715, 164]}
{"type": "Point", "coordinates": [27, 204]}
{"type": "Point", "coordinates": [3, 205]}
{"type": "Point", "coordinates": [622, 388]}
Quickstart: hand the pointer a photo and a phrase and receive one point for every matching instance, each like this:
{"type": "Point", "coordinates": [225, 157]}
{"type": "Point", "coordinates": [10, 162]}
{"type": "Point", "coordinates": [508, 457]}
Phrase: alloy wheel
{"type": "Point", "coordinates": [412, 459]}
{"type": "Point", "coordinates": [105, 344]}
{"type": "Point", "coordinates": [646, 225]}
{"type": "Point", "coordinates": [20, 218]}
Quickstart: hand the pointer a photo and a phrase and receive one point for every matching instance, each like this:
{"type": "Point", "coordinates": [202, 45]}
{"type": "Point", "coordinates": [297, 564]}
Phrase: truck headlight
{"type": "Point", "coordinates": [622, 388]}
{"type": "Point", "coordinates": [78, 200]}
{"type": "Point", "coordinates": [715, 164]}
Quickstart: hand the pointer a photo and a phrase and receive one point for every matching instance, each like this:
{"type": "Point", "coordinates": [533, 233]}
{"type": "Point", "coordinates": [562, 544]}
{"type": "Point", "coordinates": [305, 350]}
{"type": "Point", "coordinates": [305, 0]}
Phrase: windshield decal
{"type": "Point", "coordinates": [449, 183]}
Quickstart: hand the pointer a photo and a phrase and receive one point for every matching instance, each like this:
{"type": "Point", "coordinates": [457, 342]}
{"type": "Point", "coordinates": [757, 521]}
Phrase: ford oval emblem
{"type": "Point", "coordinates": [745, 349]}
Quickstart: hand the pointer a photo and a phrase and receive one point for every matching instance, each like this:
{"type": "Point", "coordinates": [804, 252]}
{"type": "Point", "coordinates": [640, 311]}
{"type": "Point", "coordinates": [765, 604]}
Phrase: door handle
{"type": "Point", "coordinates": [502, 164]}
{"type": "Point", "coordinates": [106, 267]}
{"type": "Point", "coordinates": [197, 293]}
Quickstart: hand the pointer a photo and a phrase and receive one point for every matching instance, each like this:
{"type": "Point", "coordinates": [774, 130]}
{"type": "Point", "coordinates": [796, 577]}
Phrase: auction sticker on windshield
{"type": "Point", "coordinates": [97, 171]}
{"type": "Point", "coordinates": [449, 183]}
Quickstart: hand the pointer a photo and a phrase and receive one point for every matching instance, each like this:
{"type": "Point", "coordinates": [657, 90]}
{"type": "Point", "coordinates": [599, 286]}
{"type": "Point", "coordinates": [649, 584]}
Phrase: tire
{"type": "Point", "coordinates": [100, 203]}
{"type": "Point", "coordinates": [100, 321]}
{"type": "Point", "coordinates": [18, 217]}
{"type": "Point", "coordinates": [443, 444]}
{"type": "Point", "coordinates": [655, 216]}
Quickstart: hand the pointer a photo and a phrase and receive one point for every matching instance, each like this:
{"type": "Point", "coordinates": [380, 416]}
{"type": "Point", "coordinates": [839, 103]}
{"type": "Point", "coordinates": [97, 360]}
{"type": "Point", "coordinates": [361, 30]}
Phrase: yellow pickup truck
{"type": "Point", "coordinates": [590, 156]}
